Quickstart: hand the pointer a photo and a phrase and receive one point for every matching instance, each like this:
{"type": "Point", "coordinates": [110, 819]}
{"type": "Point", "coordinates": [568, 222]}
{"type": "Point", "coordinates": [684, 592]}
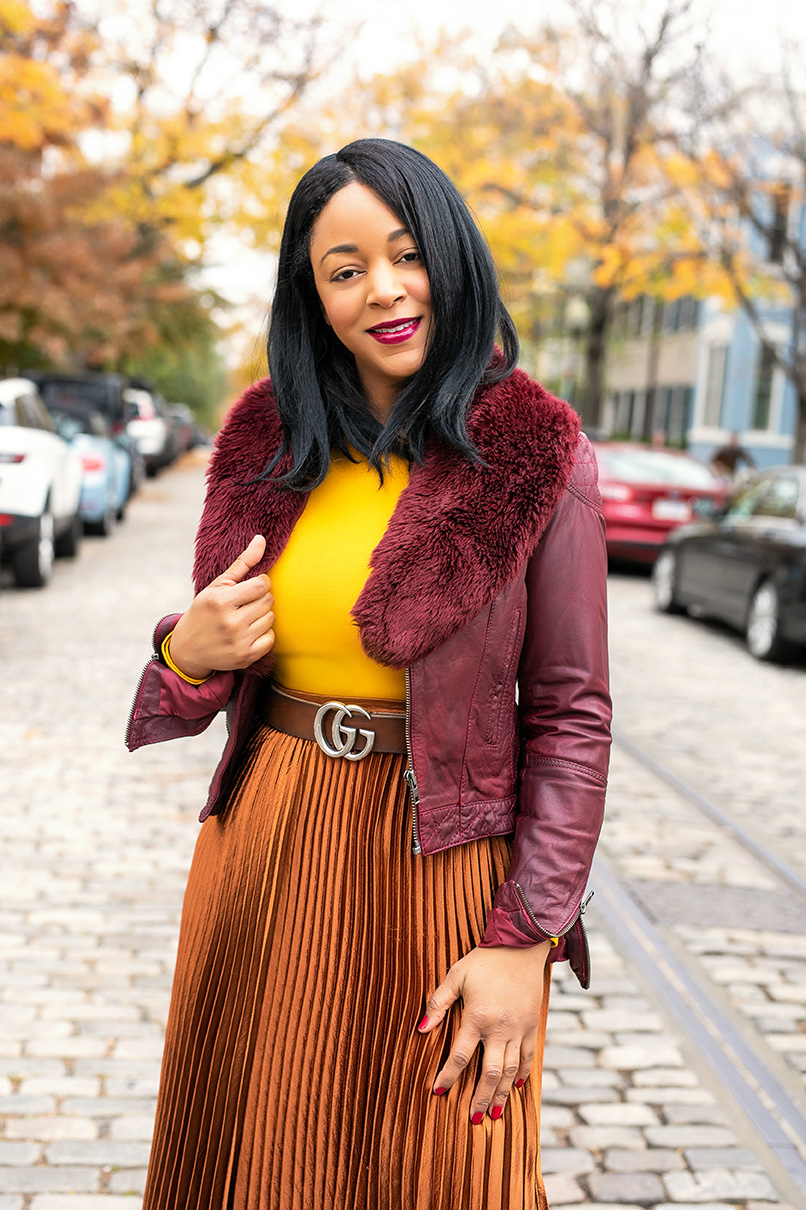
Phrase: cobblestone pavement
{"type": "Point", "coordinates": [95, 844]}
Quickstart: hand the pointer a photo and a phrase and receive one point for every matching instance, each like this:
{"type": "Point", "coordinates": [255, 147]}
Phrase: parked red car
{"type": "Point", "coordinates": [647, 492]}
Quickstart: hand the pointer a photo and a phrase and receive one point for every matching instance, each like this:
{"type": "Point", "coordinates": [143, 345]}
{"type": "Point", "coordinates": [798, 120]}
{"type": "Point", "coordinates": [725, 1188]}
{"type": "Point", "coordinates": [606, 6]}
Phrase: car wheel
{"type": "Point", "coordinates": [32, 564]}
{"type": "Point", "coordinates": [106, 525]}
{"type": "Point", "coordinates": [121, 513]}
{"type": "Point", "coordinates": [764, 623]}
{"type": "Point", "coordinates": [66, 546]}
{"type": "Point", "coordinates": [664, 580]}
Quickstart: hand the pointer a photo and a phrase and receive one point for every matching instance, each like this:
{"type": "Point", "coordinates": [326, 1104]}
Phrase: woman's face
{"type": "Point", "coordinates": [373, 288]}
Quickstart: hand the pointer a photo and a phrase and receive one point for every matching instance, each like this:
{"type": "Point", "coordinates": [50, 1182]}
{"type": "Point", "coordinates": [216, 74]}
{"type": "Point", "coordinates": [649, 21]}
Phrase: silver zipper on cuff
{"type": "Point", "coordinates": [154, 657]}
{"type": "Point", "coordinates": [537, 926]}
{"type": "Point", "coordinates": [409, 776]}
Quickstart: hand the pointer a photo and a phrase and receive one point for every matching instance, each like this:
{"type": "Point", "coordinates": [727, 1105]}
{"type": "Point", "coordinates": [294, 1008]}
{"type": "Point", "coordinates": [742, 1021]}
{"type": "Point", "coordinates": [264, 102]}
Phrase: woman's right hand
{"type": "Point", "coordinates": [230, 623]}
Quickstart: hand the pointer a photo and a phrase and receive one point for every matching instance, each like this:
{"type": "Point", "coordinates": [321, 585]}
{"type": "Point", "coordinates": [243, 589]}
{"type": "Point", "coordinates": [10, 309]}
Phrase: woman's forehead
{"type": "Point", "coordinates": [357, 211]}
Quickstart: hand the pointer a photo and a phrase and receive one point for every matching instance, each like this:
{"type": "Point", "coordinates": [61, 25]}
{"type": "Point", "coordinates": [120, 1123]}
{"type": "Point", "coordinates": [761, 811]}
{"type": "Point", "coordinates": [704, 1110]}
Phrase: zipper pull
{"type": "Point", "coordinates": [411, 782]}
{"type": "Point", "coordinates": [585, 903]}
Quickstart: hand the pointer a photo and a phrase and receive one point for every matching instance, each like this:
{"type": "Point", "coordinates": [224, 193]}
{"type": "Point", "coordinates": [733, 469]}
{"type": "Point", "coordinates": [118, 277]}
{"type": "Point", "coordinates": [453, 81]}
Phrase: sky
{"type": "Point", "coordinates": [748, 30]}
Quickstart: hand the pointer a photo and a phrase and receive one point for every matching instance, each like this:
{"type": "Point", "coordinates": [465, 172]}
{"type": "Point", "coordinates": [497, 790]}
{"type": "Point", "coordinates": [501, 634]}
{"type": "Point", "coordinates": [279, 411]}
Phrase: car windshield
{"type": "Point", "coordinates": [79, 421]}
{"type": "Point", "coordinates": [7, 414]}
{"type": "Point", "coordinates": [654, 466]}
{"type": "Point", "coordinates": [66, 393]}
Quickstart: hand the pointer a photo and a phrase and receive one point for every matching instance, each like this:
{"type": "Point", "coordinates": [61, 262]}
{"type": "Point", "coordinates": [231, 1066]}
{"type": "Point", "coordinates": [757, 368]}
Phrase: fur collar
{"type": "Point", "coordinates": [459, 532]}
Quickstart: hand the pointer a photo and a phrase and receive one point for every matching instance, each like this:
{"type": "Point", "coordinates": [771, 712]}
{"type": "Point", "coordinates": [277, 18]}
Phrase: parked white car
{"type": "Point", "coordinates": [150, 429]}
{"type": "Point", "coordinates": [40, 486]}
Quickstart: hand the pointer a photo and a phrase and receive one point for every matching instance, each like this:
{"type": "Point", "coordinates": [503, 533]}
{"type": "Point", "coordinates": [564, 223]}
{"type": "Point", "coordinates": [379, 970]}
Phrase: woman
{"type": "Point", "coordinates": [394, 848]}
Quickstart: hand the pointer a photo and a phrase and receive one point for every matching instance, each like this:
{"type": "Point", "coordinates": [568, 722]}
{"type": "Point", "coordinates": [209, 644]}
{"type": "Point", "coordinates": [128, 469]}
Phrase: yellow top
{"type": "Point", "coordinates": [319, 576]}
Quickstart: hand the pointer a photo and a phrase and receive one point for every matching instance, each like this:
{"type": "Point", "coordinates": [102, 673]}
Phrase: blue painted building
{"type": "Point", "coordinates": [708, 376]}
{"type": "Point", "coordinates": [739, 388]}
{"type": "Point", "coordinates": [699, 372]}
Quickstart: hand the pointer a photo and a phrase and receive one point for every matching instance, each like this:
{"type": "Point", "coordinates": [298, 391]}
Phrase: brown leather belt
{"type": "Point", "coordinates": [324, 721]}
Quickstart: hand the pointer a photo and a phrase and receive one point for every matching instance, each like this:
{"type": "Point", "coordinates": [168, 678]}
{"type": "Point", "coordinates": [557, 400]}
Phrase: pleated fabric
{"type": "Point", "coordinates": [294, 1077]}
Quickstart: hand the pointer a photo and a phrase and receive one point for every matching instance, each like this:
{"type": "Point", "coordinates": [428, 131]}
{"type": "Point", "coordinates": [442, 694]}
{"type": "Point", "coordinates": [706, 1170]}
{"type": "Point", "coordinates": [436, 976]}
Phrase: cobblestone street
{"type": "Point", "coordinates": [95, 845]}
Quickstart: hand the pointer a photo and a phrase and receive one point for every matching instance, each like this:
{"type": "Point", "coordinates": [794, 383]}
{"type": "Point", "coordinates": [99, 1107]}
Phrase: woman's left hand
{"type": "Point", "coordinates": [502, 992]}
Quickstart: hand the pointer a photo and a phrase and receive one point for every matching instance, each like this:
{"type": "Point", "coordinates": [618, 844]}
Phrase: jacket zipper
{"type": "Point", "coordinates": [152, 658]}
{"type": "Point", "coordinates": [409, 776]}
{"type": "Point", "coordinates": [538, 927]}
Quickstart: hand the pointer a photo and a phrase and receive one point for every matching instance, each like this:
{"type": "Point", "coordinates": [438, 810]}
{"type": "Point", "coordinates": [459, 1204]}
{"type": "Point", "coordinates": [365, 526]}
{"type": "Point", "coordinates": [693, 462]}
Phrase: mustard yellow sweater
{"type": "Point", "coordinates": [318, 577]}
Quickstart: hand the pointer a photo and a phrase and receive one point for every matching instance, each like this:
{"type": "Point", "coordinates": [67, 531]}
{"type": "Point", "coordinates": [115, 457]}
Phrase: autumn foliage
{"type": "Point", "coordinates": [109, 161]}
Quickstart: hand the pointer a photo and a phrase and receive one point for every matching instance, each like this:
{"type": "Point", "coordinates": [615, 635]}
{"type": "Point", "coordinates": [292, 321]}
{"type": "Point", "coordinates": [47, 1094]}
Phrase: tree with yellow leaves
{"type": "Point", "coordinates": [565, 143]}
{"type": "Point", "coordinates": [112, 144]}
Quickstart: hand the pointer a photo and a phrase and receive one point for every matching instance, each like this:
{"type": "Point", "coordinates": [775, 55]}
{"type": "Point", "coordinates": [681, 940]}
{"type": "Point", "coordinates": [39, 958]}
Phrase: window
{"type": "Point", "coordinates": [671, 316]}
{"type": "Point", "coordinates": [9, 414]}
{"type": "Point", "coordinates": [664, 411]}
{"type": "Point", "coordinates": [635, 317]}
{"type": "Point", "coordinates": [623, 412]}
{"type": "Point", "coordinates": [715, 385]}
{"type": "Point", "coordinates": [620, 320]}
{"type": "Point", "coordinates": [677, 419]}
{"type": "Point", "coordinates": [43, 420]}
{"type": "Point", "coordinates": [654, 466]}
{"type": "Point", "coordinates": [765, 376]}
{"type": "Point", "coordinates": [689, 314]}
{"type": "Point", "coordinates": [745, 501]}
{"type": "Point", "coordinates": [637, 413]}
{"type": "Point", "coordinates": [780, 221]}
{"type": "Point", "coordinates": [28, 413]}
{"type": "Point", "coordinates": [780, 499]}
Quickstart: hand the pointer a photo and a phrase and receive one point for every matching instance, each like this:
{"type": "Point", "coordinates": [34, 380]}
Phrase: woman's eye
{"type": "Point", "coordinates": [344, 275]}
{"type": "Point", "coordinates": [410, 257]}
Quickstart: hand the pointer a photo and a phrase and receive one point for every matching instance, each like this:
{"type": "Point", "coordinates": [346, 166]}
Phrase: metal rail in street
{"type": "Point", "coordinates": [764, 855]}
{"type": "Point", "coordinates": [773, 1114]}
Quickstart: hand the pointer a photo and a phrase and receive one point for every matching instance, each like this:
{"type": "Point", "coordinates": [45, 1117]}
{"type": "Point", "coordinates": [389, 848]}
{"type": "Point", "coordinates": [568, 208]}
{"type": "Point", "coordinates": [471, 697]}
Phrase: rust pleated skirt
{"type": "Point", "coordinates": [294, 1077]}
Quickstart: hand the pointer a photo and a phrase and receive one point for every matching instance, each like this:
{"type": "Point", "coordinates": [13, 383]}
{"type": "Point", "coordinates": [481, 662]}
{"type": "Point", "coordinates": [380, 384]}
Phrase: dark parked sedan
{"type": "Point", "coordinates": [746, 565]}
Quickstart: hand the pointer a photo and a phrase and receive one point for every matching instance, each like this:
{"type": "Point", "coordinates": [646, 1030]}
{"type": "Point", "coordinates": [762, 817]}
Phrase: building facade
{"type": "Point", "coordinates": [696, 372]}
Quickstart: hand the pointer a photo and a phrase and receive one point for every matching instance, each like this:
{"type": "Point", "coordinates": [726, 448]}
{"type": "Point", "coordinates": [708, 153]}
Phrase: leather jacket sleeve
{"type": "Point", "coordinates": [564, 717]}
{"type": "Point", "coordinates": [165, 706]}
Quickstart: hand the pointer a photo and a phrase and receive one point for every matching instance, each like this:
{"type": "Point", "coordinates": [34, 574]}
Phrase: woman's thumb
{"type": "Point", "coordinates": [248, 559]}
{"type": "Point", "coordinates": [446, 994]}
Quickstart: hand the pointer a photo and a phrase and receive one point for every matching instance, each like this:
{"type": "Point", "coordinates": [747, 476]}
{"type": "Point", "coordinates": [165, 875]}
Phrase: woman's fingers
{"type": "Point", "coordinates": [246, 560]}
{"type": "Point", "coordinates": [447, 993]}
{"type": "Point", "coordinates": [527, 1057]}
{"type": "Point", "coordinates": [240, 595]}
{"type": "Point", "coordinates": [492, 1071]}
{"type": "Point", "coordinates": [509, 1073]}
{"type": "Point", "coordinates": [255, 611]}
{"type": "Point", "coordinates": [462, 1052]}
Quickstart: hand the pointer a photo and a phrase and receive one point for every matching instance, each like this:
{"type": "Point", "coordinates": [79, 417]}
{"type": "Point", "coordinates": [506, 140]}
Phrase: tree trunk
{"type": "Point", "coordinates": [653, 358]}
{"type": "Point", "coordinates": [799, 448]}
{"type": "Point", "coordinates": [600, 306]}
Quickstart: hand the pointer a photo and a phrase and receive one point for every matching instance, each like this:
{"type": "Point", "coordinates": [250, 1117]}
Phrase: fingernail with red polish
{"type": "Point", "coordinates": [496, 1112]}
{"type": "Point", "coordinates": [438, 1092]}
{"type": "Point", "coordinates": [477, 1118]}
{"type": "Point", "coordinates": [519, 1083]}
{"type": "Point", "coordinates": [423, 1023]}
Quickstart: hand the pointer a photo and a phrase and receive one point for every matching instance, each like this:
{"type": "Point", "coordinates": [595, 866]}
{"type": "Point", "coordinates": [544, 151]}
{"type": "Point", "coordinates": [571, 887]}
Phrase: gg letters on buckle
{"type": "Point", "coordinates": [343, 738]}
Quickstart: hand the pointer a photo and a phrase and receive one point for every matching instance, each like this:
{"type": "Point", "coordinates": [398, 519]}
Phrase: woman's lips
{"type": "Point", "coordinates": [394, 332]}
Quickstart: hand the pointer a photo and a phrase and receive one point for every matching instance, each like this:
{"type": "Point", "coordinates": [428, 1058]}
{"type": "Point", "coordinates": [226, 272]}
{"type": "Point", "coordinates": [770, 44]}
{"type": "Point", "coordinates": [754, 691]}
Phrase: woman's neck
{"type": "Point", "coordinates": [380, 395]}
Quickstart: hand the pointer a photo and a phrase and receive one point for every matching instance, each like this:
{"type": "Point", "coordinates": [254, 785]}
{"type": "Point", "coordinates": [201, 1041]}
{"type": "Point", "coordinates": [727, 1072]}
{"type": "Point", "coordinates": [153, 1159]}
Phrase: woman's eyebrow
{"type": "Point", "coordinates": [337, 248]}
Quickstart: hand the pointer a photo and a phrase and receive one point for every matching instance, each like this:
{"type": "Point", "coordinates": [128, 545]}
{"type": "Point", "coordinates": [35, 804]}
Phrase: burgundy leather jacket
{"type": "Point", "coordinates": [489, 588]}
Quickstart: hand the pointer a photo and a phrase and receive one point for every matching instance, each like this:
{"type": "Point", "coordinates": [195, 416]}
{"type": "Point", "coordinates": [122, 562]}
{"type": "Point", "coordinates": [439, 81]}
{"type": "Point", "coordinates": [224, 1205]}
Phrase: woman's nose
{"type": "Point", "coordinates": [385, 286]}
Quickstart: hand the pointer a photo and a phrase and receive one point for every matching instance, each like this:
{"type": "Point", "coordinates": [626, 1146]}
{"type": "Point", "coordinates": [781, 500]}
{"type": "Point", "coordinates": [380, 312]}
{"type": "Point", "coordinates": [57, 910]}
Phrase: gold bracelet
{"type": "Point", "coordinates": [166, 655]}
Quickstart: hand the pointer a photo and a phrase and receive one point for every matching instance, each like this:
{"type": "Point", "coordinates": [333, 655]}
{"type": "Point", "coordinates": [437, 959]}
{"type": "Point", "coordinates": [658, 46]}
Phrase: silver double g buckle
{"type": "Point", "coordinates": [343, 737]}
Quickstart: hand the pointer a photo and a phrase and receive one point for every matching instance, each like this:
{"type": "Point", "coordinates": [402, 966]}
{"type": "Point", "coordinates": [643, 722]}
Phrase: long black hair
{"type": "Point", "coordinates": [314, 376]}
